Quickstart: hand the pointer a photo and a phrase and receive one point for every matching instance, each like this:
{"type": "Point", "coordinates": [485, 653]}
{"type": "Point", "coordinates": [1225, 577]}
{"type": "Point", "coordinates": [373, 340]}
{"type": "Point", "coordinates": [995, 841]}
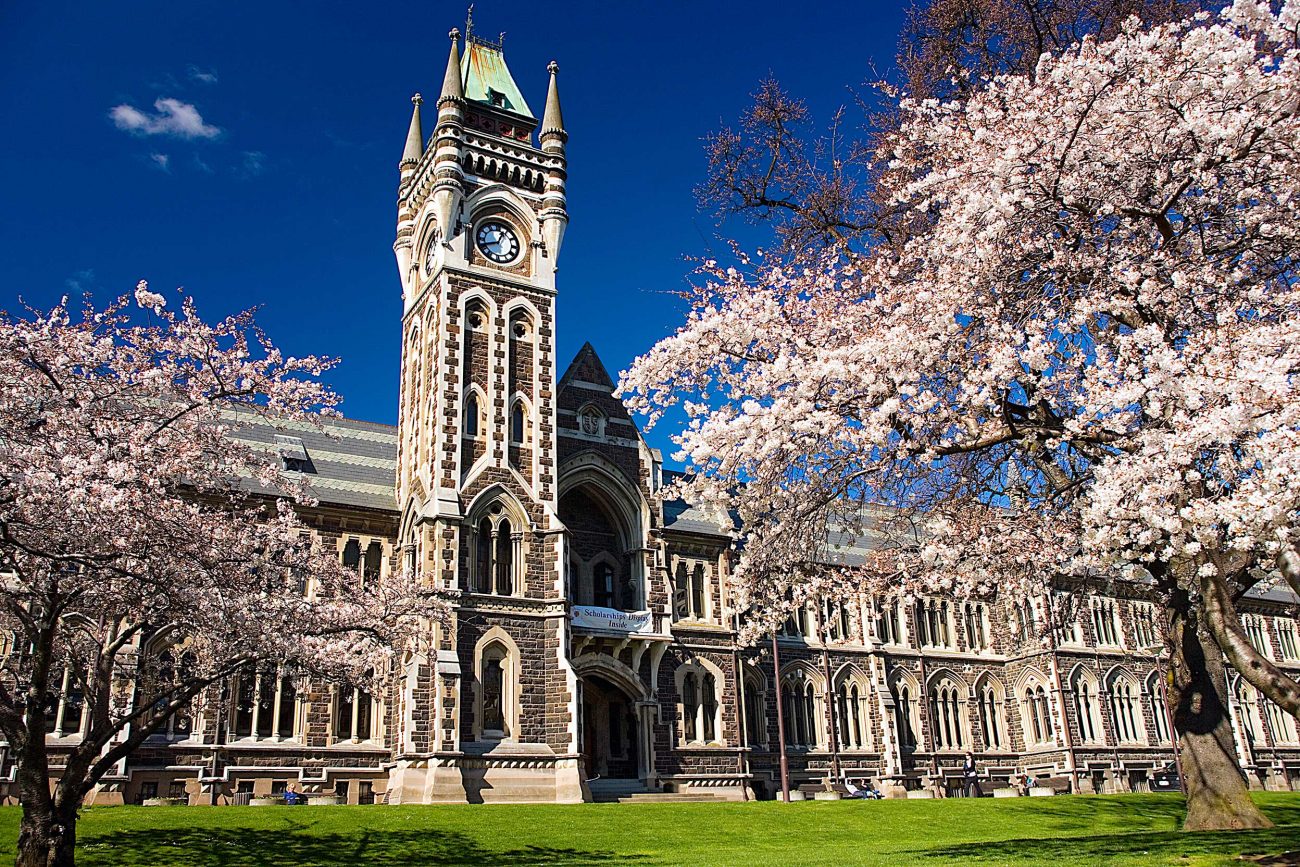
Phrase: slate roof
{"type": "Point", "coordinates": [349, 463]}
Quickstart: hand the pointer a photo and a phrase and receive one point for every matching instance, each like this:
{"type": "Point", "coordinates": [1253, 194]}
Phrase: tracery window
{"type": "Point", "coordinates": [1249, 707]}
{"type": "Point", "coordinates": [946, 716]}
{"type": "Point", "coordinates": [1125, 710]}
{"type": "Point", "coordinates": [1144, 624]}
{"type": "Point", "coordinates": [1255, 633]}
{"type": "Point", "coordinates": [1159, 713]}
{"type": "Point", "coordinates": [990, 714]}
{"type": "Point", "coordinates": [1085, 707]}
{"type": "Point", "coordinates": [850, 714]}
{"type": "Point", "coordinates": [1038, 715]}
{"type": "Point", "coordinates": [887, 621]}
{"type": "Point", "coordinates": [497, 554]}
{"type": "Point", "coordinates": [906, 714]}
{"type": "Point", "coordinates": [266, 703]}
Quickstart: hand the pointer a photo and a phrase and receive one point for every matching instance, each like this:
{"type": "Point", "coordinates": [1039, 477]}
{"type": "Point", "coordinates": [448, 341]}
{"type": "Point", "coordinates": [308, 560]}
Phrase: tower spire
{"type": "Point", "coordinates": [452, 88]}
{"type": "Point", "coordinates": [552, 118]}
{"type": "Point", "coordinates": [415, 135]}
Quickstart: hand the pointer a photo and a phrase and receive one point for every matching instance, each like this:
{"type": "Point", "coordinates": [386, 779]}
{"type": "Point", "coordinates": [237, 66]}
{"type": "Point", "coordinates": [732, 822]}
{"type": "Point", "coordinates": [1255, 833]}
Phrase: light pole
{"type": "Point", "coordinates": [1169, 715]}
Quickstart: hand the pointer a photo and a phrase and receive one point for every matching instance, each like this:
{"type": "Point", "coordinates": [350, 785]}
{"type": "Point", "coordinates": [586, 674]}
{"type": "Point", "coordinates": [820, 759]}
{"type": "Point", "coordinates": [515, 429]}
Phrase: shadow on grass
{"type": "Point", "coordinates": [1171, 844]}
{"type": "Point", "coordinates": [301, 845]}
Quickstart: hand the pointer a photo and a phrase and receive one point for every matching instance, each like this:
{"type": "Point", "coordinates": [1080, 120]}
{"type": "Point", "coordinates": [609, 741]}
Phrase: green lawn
{"type": "Point", "coordinates": [1131, 829]}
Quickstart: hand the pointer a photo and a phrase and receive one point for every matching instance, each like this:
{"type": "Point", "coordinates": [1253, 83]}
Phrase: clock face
{"type": "Point", "coordinates": [497, 241]}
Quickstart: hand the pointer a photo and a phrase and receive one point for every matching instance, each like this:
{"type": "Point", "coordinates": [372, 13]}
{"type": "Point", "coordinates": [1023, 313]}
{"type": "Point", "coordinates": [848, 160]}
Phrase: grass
{"type": "Point", "coordinates": [1079, 830]}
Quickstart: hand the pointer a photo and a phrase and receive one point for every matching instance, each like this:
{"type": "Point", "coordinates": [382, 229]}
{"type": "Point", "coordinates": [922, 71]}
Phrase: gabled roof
{"type": "Point", "coordinates": [586, 367]}
{"type": "Point", "coordinates": [483, 69]}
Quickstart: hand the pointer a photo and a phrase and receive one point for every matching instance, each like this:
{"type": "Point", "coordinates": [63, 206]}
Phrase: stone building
{"type": "Point", "coordinates": [592, 648]}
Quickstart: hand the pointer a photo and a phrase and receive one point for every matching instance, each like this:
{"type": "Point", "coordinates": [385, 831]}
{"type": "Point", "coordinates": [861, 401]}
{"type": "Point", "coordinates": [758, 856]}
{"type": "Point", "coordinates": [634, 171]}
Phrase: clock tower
{"type": "Point", "coordinates": [480, 220]}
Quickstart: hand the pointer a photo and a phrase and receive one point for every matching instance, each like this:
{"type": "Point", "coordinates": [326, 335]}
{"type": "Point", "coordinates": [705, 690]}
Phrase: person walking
{"type": "Point", "coordinates": [971, 776]}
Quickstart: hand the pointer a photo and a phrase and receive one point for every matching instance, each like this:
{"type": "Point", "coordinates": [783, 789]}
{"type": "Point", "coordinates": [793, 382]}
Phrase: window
{"type": "Point", "coordinates": [602, 585]}
{"type": "Point", "coordinates": [65, 709]}
{"type": "Point", "coordinates": [1250, 724]}
{"type": "Point", "coordinates": [1286, 639]}
{"type": "Point", "coordinates": [681, 592]}
{"type": "Point", "coordinates": [1038, 715]}
{"type": "Point", "coordinates": [496, 98]}
{"type": "Point", "coordinates": [990, 713]}
{"type": "Point", "coordinates": [697, 591]}
{"type": "Point", "coordinates": [496, 555]}
{"type": "Point", "coordinates": [1085, 707]}
{"type": "Point", "coordinates": [932, 624]}
{"type": "Point", "coordinates": [906, 715]}
{"type": "Point", "coordinates": [517, 423]}
{"type": "Point", "coordinates": [168, 674]}
{"type": "Point", "coordinates": [1144, 625]}
{"type": "Point", "coordinates": [266, 704]}
{"type": "Point", "coordinates": [353, 714]}
{"type": "Point", "coordinates": [946, 711]}
{"type": "Point", "coordinates": [1125, 710]}
{"type": "Point", "coordinates": [850, 714]}
{"type": "Point", "coordinates": [1159, 713]}
{"type": "Point", "coordinates": [473, 413]}
{"type": "Point", "coordinates": [1255, 632]}
{"type": "Point", "coordinates": [1281, 724]}
{"type": "Point", "coordinates": [371, 563]}
{"type": "Point", "coordinates": [1105, 626]}
{"type": "Point", "coordinates": [699, 705]}
{"type": "Point", "coordinates": [976, 620]}
{"type": "Point", "coordinates": [887, 625]}
{"type": "Point", "coordinates": [293, 454]}
{"type": "Point", "coordinates": [755, 715]}
{"type": "Point", "coordinates": [1026, 623]}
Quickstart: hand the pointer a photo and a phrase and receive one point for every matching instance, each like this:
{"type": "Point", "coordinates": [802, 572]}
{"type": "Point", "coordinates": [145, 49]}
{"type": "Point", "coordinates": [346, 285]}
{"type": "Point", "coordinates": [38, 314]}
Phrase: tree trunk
{"type": "Point", "coordinates": [47, 834]}
{"type": "Point", "coordinates": [1217, 797]}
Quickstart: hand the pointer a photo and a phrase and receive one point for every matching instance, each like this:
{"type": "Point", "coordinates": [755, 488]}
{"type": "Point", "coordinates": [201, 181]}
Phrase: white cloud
{"type": "Point", "coordinates": [201, 75]}
{"type": "Point", "coordinates": [162, 161]}
{"type": "Point", "coordinates": [172, 118]}
{"type": "Point", "coordinates": [254, 164]}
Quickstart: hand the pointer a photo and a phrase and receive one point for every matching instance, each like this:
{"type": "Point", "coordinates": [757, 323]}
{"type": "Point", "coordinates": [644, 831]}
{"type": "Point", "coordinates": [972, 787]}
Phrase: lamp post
{"type": "Point", "coordinates": [780, 721]}
{"type": "Point", "coordinates": [1169, 715]}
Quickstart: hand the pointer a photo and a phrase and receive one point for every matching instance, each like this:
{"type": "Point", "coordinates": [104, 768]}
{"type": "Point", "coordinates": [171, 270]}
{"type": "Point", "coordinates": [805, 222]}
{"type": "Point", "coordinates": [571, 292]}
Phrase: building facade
{"type": "Point", "coordinates": [592, 646]}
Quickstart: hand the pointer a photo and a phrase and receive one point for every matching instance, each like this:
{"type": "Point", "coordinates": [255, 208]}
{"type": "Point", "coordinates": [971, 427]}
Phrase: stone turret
{"type": "Point", "coordinates": [449, 180]}
{"type": "Point", "coordinates": [554, 215]}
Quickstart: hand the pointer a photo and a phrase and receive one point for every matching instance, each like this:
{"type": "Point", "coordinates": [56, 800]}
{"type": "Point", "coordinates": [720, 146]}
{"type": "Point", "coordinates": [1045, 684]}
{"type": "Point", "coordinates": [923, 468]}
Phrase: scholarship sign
{"type": "Point", "coordinates": [611, 620]}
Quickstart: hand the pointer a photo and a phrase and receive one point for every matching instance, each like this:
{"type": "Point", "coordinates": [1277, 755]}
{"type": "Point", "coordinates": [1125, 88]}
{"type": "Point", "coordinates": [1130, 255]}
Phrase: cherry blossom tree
{"type": "Point", "coordinates": [145, 553]}
{"type": "Point", "coordinates": [1080, 359]}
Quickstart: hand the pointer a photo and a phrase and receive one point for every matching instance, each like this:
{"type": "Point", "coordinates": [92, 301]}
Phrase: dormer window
{"type": "Point", "coordinates": [293, 454]}
{"type": "Point", "coordinates": [497, 98]}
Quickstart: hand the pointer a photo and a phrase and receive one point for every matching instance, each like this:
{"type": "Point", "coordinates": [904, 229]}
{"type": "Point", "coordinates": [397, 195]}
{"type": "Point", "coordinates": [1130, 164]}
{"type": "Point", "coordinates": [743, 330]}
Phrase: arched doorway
{"type": "Point", "coordinates": [611, 731]}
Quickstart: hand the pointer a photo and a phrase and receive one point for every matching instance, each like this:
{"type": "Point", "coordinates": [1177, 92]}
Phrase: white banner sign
{"type": "Point", "coordinates": [591, 617]}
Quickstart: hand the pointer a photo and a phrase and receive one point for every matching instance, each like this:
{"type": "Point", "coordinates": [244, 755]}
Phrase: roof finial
{"type": "Point", "coordinates": [552, 119]}
{"type": "Point", "coordinates": [552, 67]}
{"type": "Point", "coordinates": [414, 149]}
{"type": "Point", "coordinates": [454, 34]}
{"type": "Point", "coordinates": [469, 22]}
{"type": "Point", "coordinates": [452, 89]}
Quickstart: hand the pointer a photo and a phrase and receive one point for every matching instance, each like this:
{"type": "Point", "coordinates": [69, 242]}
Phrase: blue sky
{"type": "Point", "coordinates": [248, 152]}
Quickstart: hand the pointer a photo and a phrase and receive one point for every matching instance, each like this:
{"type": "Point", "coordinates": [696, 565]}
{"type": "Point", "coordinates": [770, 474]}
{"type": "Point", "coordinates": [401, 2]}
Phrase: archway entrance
{"type": "Point", "coordinates": [611, 731]}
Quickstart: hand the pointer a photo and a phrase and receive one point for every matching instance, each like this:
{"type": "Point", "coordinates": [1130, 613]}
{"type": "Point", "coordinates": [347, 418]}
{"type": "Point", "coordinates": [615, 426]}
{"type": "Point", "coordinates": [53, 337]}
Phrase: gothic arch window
{"type": "Point", "coordinates": [1144, 625]}
{"type": "Point", "coordinates": [1159, 713]}
{"type": "Point", "coordinates": [474, 422]}
{"type": "Point", "coordinates": [519, 425]}
{"type": "Point", "coordinates": [799, 697]}
{"type": "Point", "coordinates": [497, 688]}
{"type": "Point", "coordinates": [700, 709]}
{"type": "Point", "coordinates": [1126, 709]}
{"type": "Point", "coordinates": [993, 728]}
{"type": "Point", "coordinates": [164, 667]}
{"type": "Point", "coordinates": [1256, 633]}
{"type": "Point", "coordinates": [755, 710]}
{"type": "Point", "coordinates": [947, 714]}
{"type": "Point", "coordinates": [1036, 709]}
{"type": "Point", "coordinates": [497, 547]}
{"type": "Point", "coordinates": [907, 714]}
{"type": "Point", "coordinates": [1248, 704]}
{"type": "Point", "coordinates": [1086, 706]}
{"type": "Point", "coordinates": [852, 720]}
